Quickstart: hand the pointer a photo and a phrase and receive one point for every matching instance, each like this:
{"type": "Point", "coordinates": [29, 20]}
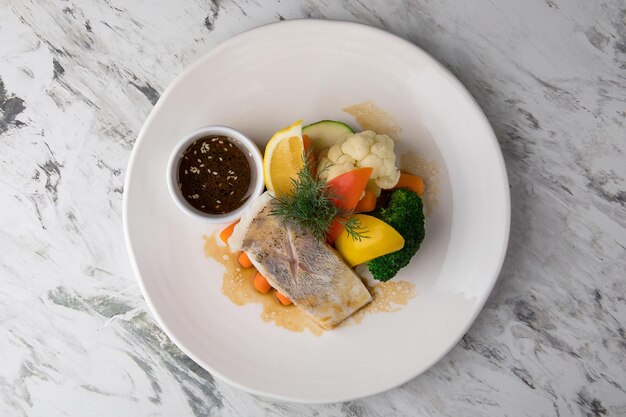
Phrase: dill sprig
{"type": "Point", "coordinates": [354, 227]}
{"type": "Point", "coordinates": [310, 205]}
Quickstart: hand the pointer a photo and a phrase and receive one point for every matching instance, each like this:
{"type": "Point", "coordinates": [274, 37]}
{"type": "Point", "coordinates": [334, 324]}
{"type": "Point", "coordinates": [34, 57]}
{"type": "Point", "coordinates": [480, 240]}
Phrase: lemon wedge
{"type": "Point", "coordinates": [283, 159]}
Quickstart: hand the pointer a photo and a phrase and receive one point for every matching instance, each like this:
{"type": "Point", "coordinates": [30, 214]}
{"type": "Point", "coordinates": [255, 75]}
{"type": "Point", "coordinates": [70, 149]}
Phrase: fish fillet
{"type": "Point", "coordinates": [300, 266]}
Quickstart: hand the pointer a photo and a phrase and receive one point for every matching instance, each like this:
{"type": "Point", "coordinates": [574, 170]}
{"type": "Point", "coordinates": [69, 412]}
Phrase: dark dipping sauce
{"type": "Point", "coordinates": [214, 175]}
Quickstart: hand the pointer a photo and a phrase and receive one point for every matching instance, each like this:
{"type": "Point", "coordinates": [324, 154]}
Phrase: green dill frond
{"type": "Point", "coordinates": [310, 205]}
{"type": "Point", "coordinates": [355, 229]}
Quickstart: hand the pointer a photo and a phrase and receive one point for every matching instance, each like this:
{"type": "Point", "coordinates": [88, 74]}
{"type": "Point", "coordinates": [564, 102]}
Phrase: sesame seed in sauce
{"type": "Point", "coordinates": [217, 188]}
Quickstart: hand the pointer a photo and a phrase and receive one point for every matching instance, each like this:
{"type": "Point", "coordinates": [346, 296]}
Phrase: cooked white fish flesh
{"type": "Point", "coordinates": [303, 268]}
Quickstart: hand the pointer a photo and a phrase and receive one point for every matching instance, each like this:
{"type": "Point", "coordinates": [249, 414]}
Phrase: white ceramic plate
{"type": "Point", "coordinates": [261, 81]}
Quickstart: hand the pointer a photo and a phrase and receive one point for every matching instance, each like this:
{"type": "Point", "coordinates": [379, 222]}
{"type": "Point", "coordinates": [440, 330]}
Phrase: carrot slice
{"type": "Point", "coordinates": [261, 284]}
{"type": "Point", "coordinates": [244, 260]}
{"type": "Point", "coordinates": [306, 142]}
{"type": "Point", "coordinates": [228, 231]}
{"type": "Point", "coordinates": [367, 203]}
{"type": "Point", "coordinates": [283, 300]}
{"type": "Point", "coordinates": [348, 187]}
{"type": "Point", "coordinates": [412, 182]}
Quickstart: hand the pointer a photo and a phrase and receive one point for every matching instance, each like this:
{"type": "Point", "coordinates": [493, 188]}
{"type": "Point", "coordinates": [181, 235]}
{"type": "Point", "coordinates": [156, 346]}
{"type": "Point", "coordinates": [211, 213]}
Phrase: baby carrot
{"type": "Point", "coordinates": [367, 203]}
{"type": "Point", "coordinates": [283, 300]}
{"type": "Point", "coordinates": [261, 284]}
{"type": "Point", "coordinates": [244, 260]}
{"type": "Point", "coordinates": [306, 141]}
{"type": "Point", "coordinates": [412, 182]}
{"type": "Point", "coordinates": [228, 231]}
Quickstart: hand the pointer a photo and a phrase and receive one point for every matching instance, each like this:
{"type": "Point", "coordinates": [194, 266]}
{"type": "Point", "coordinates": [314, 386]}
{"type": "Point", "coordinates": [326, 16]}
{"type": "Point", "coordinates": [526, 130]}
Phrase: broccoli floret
{"type": "Point", "coordinates": [405, 214]}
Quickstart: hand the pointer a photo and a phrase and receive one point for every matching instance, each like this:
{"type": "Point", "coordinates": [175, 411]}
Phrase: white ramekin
{"type": "Point", "coordinates": [250, 150]}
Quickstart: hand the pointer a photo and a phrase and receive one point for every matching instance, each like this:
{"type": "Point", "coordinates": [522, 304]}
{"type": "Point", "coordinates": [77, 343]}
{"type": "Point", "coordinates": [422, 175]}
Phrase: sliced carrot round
{"type": "Point", "coordinates": [414, 183]}
{"type": "Point", "coordinates": [367, 203]}
{"type": "Point", "coordinates": [261, 284]}
{"type": "Point", "coordinates": [244, 260]}
{"type": "Point", "coordinates": [283, 300]}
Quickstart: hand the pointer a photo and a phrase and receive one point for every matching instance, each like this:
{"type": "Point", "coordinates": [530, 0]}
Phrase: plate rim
{"type": "Point", "coordinates": [450, 78]}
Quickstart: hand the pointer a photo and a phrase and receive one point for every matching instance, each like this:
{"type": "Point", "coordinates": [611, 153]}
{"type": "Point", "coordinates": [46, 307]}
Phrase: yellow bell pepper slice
{"type": "Point", "coordinates": [380, 240]}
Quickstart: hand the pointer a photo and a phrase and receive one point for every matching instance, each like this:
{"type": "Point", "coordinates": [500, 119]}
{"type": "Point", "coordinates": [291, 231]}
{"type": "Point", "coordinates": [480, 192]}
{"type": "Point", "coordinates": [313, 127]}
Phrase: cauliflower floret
{"type": "Point", "coordinates": [382, 150]}
{"type": "Point", "coordinates": [323, 166]}
{"type": "Point", "coordinates": [337, 170]}
{"type": "Point", "coordinates": [369, 134]}
{"type": "Point", "coordinates": [334, 152]}
{"type": "Point", "coordinates": [346, 159]}
{"type": "Point", "coordinates": [387, 170]}
{"type": "Point", "coordinates": [373, 161]}
{"type": "Point", "coordinates": [388, 181]}
{"type": "Point", "coordinates": [365, 149]}
{"type": "Point", "coordinates": [328, 170]}
{"type": "Point", "coordinates": [384, 140]}
{"type": "Point", "coordinates": [357, 146]}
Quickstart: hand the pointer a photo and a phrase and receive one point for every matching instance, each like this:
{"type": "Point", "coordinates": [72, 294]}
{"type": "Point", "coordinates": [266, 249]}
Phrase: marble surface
{"type": "Point", "coordinates": [77, 80]}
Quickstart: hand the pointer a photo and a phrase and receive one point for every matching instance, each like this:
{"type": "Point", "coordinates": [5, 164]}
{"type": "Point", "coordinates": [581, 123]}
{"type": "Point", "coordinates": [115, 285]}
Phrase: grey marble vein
{"type": "Point", "coordinates": [77, 80]}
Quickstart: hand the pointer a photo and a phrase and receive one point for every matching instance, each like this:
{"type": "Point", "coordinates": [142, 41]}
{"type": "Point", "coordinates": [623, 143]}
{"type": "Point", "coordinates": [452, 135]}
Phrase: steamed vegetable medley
{"type": "Point", "coordinates": [344, 188]}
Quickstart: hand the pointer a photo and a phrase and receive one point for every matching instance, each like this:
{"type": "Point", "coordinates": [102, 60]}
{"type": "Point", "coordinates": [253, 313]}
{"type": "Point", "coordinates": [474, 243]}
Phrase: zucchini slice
{"type": "Point", "coordinates": [326, 133]}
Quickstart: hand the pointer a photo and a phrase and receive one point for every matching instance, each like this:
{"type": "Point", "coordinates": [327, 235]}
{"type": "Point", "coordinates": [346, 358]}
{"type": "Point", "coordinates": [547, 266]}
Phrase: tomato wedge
{"type": "Point", "coordinates": [348, 188]}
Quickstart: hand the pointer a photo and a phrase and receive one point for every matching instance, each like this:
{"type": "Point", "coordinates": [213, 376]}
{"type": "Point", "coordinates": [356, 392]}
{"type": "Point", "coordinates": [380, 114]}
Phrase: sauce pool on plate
{"type": "Point", "coordinates": [214, 175]}
{"type": "Point", "coordinates": [387, 297]}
